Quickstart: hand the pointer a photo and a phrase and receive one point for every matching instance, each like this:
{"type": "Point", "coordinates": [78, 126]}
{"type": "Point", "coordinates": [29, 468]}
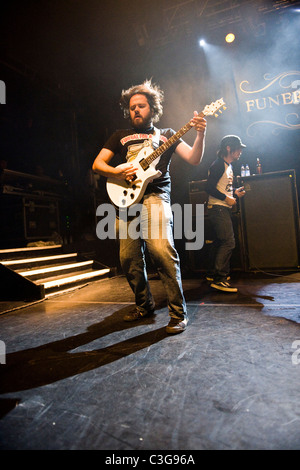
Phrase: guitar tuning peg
{"type": "Point", "coordinates": [216, 115]}
{"type": "Point", "coordinates": [220, 111]}
{"type": "Point", "coordinates": [224, 107]}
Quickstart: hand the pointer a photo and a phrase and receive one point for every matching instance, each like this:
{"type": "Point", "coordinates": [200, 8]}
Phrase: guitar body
{"type": "Point", "coordinates": [124, 194]}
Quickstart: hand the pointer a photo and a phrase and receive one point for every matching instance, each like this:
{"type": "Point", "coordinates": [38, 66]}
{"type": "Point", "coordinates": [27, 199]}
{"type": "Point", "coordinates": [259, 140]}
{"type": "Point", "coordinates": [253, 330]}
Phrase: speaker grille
{"type": "Point", "coordinates": [270, 217]}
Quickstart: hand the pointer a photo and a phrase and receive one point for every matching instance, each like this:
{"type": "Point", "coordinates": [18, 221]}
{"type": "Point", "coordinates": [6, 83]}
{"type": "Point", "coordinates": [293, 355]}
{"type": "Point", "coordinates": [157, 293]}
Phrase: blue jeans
{"type": "Point", "coordinates": [155, 228]}
{"type": "Point", "coordinates": [224, 242]}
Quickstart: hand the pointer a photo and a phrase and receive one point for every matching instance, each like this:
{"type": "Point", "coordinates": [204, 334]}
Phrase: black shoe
{"type": "Point", "coordinates": [176, 326]}
{"type": "Point", "coordinates": [223, 286]}
{"type": "Point", "coordinates": [137, 315]}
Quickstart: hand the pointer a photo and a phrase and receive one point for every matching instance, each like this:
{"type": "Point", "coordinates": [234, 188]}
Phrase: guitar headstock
{"type": "Point", "coordinates": [212, 108]}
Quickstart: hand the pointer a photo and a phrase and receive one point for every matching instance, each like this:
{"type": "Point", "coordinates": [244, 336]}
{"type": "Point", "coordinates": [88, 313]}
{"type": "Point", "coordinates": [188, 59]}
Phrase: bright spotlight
{"type": "Point", "coordinates": [230, 37]}
{"type": "Point", "coordinates": [202, 42]}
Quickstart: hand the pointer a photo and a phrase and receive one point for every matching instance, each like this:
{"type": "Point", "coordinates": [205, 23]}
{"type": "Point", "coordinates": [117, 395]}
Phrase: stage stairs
{"type": "Point", "coordinates": [35, 273]}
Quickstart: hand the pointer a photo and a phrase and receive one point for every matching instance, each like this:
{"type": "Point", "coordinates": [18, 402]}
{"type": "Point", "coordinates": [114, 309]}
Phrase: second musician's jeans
{"type": "Point", "coordinates": [224, 242]}
{"type": "Point", "coordinates": [155, 225]}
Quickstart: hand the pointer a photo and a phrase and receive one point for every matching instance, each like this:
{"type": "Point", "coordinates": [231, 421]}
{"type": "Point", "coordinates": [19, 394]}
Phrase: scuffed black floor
{"type": "Point", "coordinates": [78, 377]}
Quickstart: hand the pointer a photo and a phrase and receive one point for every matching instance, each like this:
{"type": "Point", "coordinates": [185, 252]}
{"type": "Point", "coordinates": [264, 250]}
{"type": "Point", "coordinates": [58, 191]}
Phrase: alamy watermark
{"type": "Point", "coordinates": [188, 223]}
{"type": "Point", "coordinates": [296, 354]}
{"type": "Point", "coordinates": [2, 92]}
{"type": "Point", "coordinates": [2, 352]}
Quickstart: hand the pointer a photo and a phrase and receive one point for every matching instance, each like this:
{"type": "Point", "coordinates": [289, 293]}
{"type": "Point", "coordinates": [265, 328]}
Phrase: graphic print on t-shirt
{"type": "Point", "coordinates": [134, 149]}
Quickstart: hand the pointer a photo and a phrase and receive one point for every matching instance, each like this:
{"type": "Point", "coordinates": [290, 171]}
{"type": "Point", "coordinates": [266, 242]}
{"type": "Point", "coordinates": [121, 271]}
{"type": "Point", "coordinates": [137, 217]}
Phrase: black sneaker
{"type": "Point", "coordinates": [176, 326]}
{"type": "Point", "coordinates": [223, 286]}
{"type": "Point", "coordinates": [137, 315]}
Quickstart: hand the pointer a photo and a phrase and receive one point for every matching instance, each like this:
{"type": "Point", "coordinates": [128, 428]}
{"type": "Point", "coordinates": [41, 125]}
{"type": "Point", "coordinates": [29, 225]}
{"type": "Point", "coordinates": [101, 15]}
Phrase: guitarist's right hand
{"type": "Point", "coordinates": [125, 171]}
{"type": "Point", "coordinates": [231, 201]}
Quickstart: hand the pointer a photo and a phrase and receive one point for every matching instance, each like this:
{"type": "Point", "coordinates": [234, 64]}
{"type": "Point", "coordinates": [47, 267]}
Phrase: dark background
{"type": "Point", "coordinates": [64, 64]}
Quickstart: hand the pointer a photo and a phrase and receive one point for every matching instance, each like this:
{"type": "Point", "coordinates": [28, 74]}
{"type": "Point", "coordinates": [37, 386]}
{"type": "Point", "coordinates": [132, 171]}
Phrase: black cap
{"type": "Point", "coordinates": [233, 141]}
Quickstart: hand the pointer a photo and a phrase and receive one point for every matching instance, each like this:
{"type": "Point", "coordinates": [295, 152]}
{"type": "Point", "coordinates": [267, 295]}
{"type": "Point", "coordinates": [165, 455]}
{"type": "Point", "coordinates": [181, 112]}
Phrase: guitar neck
{"type": "Point", "coordinates": [160, 150]}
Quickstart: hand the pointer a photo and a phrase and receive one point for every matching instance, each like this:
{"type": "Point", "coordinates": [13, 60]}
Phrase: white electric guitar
{"type": "Point", "coordinates": [123, 193]}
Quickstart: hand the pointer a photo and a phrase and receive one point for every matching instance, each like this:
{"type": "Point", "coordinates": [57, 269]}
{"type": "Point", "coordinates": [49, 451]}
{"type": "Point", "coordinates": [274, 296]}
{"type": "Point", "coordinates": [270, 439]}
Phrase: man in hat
{"type": "Point", "coordinates": [220, 202]}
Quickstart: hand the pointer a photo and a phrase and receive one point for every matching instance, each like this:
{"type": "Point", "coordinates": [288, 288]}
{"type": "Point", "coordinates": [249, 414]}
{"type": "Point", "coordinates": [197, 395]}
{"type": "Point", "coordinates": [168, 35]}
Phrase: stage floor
{"type": "Point", "coordinates": [78, 377]}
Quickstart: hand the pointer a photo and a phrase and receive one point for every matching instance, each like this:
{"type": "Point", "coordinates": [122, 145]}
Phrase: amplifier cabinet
{"type": "Point", "coordinates": [27, 218]}
{"type": "Point", "coordinates": [270, 219]}
{"type": "Point", "coordinates": [41, 218]}
{"type": "Point", "coordinates": [197, 194]}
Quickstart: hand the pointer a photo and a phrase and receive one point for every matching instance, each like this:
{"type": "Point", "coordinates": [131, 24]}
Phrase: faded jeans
{"type": "Point", "coordinates": [154, 224]}
{"type": "Point", "coordinates": [224, 242]}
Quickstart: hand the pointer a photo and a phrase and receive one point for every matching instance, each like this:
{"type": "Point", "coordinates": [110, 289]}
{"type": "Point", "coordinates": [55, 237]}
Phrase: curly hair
{"type": "Point", "coordinates": [153, 94]}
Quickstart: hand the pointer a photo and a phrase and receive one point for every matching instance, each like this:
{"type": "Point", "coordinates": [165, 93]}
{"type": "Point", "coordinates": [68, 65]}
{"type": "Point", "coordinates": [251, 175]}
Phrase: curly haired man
{"type": "Point", "coordinates": [142, 104]}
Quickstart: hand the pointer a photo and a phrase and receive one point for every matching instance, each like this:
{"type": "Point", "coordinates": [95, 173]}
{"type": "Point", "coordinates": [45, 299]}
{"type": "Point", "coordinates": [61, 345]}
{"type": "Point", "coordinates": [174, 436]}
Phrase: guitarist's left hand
{"type": "Point", "coordinates": [199, 123]}
{"type": "Point", "coordinates": [193, 155]}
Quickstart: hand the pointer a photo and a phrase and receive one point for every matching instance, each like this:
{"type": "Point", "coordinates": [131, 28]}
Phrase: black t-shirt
{"type": "Point", "coordinates": [126, 143]}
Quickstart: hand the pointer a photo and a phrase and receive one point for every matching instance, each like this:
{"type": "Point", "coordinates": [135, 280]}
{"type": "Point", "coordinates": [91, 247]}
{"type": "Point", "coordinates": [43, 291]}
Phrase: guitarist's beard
{"type": "Point", "coordinates": [141, 123]}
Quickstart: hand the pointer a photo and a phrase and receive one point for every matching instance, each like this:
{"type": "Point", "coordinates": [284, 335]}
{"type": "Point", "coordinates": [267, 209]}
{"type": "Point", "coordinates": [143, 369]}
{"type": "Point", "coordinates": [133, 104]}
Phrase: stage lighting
{"type": "Point", "coordinates": [202, 42]}
{"type": "Point", "coordinates": [230, 37]}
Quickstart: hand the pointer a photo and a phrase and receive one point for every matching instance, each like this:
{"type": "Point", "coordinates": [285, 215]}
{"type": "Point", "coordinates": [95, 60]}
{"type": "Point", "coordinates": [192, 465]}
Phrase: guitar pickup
{"type": "Point", "coordinates": [144, 164]}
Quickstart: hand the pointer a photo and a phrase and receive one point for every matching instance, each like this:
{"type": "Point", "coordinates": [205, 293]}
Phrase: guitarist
{"type": "Point", "coordinates": [222, 197]}
{"type": "Point", "coordinates": [142, 104]}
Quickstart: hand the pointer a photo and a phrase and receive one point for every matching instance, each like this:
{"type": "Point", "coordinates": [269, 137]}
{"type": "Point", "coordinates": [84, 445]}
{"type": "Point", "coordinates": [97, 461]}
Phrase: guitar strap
{"type": "Point", "coordinates": [156, 137]}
